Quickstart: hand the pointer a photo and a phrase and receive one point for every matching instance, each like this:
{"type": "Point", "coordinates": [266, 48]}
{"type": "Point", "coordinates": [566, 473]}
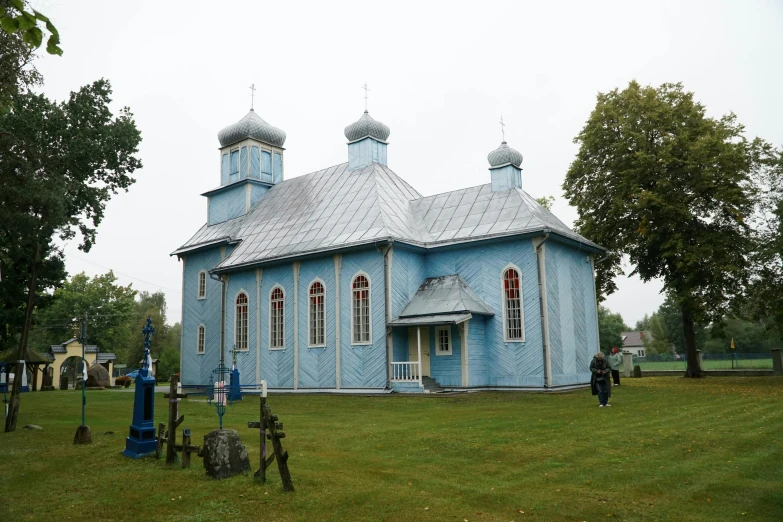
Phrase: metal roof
{"type": "Point", "coordinates": [429, 320]}
{"type": "Point", "coordinates": [445, 295]}
{"type": "Point", "coordinates": [504, 155]}
{"type": "Point", "coordinates": [336, 208]}
{"type": "Point", "coordinates": [106, 357]}
{"type": "Point", "coordinates": [251, 126]}
{"type": "Point", "coordinates": [367, 126]}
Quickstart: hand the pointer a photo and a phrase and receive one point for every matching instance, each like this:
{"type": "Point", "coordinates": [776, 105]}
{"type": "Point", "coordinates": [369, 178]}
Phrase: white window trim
{"type": "Point", "coordinates": [439, 329]}
{"type": "Point", "coordinates": [199, 296]}
{"type": "Point", "coordinates": [247, 296]}
{"type": "Point", "coordinates": [322, 345]}
{"type": "Point", "coordinates": [369, 304]}
{"type": "Point", "coordinates": [503, 304]}
{"type": "Point", "coordinates": [269, 319]}
{"type": "Point", "coordinates": [198, 328]}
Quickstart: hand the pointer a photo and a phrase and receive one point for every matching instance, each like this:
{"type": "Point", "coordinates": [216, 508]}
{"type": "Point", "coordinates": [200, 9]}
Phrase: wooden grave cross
{"type": "Point", "coordinates": [174, 422]}
{"type": "Point", "coordinates": [269, 422]}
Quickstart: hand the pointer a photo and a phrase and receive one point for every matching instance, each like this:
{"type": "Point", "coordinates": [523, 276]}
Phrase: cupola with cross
{"type": "Point", "coordinates": [505, 165]}
{"type": "Point", "coordinates": [366, 139]}
{"type": "Point", "coordinates": [251, 161]}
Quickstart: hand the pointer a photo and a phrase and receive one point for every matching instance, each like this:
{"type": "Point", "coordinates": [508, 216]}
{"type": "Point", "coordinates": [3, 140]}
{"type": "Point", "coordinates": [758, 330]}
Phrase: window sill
{"type": "Point", "coordinates": [316, 346]}
{"type": "Point", "coordinates": [203, 298]}
{"type": "Point", "coordinates": [362, 344]}
{"type": "Point", "coordinates": [276, 349]}
{"type": "Point", "coordinates": [200, 353]}
{"type": "Point", "coordinates": [514, 341]}
{"type": "Point", "coordinates": [443, 353]}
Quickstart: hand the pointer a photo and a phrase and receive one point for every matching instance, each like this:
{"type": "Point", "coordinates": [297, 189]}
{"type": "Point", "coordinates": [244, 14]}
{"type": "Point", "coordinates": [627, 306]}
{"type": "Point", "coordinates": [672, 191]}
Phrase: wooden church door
{"type": "Point", "coordinates": [413, 349]}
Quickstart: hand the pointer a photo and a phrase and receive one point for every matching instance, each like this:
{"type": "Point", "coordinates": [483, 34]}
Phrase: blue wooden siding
{"type": "Point", "coordinates": [224, 169]}
{"type": "Point", "coordinates": [233, 173]}
{"type": "Point", "coordinates": [506, 178]}
{"type": "Point", "coordinates": [256, 191]}
{"type": "Point", "coordinates": [228, 204]}
{"type": "Point", "coordinates": [364, 152]}
{"type": "Point", "coordinates": [447, 369]}
{"type": "Point", "coordinates": [243, 163]}
{"type": "Point", "coordinates": [478, 353]}
{"type": "Point", "coordinates": [363, 366]}
{"type": "Point", "coordinates": [508, 364]}
{"type": "Point", "coordinates": [255, 162]}
{"type": "Point", "coordinates": [408, 272]}
{"type": "Point", "coordinates": [277, 172]}
{"type": "Point", "coordinates": [197, 368]}
{"type": "Point", "coordinates": [266, 166]}
{"type": "Point", "coordinates": [571, 306]}
{"type": "Point", "coordinates": [317, 366]}
{"type": "Point", "coordinates": [246, 361]}
{"type": "Point", "coordinates": [277, 366]}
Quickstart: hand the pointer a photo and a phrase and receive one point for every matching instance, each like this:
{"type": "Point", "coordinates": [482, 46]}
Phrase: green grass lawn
{"type": "Point", "coordinates": [709, 364]}
{"type": "Point", "coordinates": [667, 449]}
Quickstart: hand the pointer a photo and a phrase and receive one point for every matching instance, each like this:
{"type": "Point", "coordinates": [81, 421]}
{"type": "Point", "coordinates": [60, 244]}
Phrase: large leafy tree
{"type": "Point", "coordinates": [658, 180]}
{"type": "Point", "coordinates": [17, 18]}
{"type": "Point", "coordinates": [59, 165]}
{"type": "Point", "coordinates": [110, 309]}
{"type": "Point", "coordinates": [765, 294]}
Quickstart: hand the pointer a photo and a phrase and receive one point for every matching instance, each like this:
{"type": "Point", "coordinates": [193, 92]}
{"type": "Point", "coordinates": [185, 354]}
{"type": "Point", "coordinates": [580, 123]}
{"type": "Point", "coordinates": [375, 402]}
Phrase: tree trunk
{"type": "Point", "coordinates": [692, 357]}
{"type": "Point", "coordinates": [16, 390]}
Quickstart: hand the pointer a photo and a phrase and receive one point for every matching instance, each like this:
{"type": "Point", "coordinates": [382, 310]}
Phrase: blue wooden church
{"type": "Point", "coordinates": [347, 279]}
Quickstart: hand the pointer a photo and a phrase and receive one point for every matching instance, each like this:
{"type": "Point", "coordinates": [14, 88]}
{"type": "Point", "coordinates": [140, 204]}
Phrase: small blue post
{"type": "Point", "coordinates": [235, 391]}
{"type": "Point", "coordinates": [84, 377]}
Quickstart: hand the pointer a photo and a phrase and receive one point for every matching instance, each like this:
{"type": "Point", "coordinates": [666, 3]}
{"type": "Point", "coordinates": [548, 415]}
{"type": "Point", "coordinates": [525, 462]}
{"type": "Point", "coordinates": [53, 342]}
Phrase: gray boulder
{"type": "Point", "coordinates": [97, 375]}
{"type": "Point", "coordinates": [224, 454]}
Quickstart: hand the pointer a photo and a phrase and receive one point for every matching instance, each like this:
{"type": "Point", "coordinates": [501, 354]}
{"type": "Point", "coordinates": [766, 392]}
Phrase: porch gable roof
{"type": "Point", "coordinates": [445, 295]}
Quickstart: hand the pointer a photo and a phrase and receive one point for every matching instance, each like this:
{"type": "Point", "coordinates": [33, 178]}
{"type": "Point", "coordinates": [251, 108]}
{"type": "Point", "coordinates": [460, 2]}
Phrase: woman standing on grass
{"type": "Point", "coordinates": [599, 382]}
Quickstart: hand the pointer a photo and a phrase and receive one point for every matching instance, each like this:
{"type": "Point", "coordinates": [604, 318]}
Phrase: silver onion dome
{"type": "Point", "coordinates": [367, 126]}
{"type": "Point", "coordinates": [504, 155]}
{"type": "Point", "coordinates": [251, 126]}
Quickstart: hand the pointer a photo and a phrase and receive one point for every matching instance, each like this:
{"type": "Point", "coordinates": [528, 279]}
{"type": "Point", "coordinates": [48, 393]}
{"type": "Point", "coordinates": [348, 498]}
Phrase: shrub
{"type": "Point", "coordinates": [123, 380]}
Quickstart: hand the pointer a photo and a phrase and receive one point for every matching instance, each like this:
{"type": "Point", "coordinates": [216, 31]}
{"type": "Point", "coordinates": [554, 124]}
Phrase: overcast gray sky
{"type": "Point", "coordinates": [441, 75]}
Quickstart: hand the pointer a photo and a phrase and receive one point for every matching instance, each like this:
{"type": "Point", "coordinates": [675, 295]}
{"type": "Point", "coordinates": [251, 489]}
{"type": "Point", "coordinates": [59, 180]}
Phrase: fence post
{"type": "Point", "coordinates": [627, 364]}
{"type": "Point", "coordinates": [777, 361]}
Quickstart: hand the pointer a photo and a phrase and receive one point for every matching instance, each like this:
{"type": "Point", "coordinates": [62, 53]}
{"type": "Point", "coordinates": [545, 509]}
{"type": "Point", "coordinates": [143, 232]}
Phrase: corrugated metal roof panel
{"type": "Point", "coordinates": [445, 295]}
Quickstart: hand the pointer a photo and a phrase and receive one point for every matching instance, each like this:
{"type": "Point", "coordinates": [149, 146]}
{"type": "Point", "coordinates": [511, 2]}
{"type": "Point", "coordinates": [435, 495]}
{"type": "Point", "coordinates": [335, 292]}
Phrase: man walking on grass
{"type": "Point", "coordinates": [615, 360]}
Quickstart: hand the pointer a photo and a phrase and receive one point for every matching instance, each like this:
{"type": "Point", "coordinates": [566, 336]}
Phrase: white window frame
{"type": "Point", "coordinates": [506, 339]}
{"type": "Point", "coordinates": [199, 294]}
{"type": "Point", "coordinates": [247, 322]}
{"type": "Point", "coordinates": [438, 330]}
{"type": "Point", "coordinates": [369, 310]}
{"type": "Point", "coordinates": [309, 314]}
{"type": "Point", "coordinates": [201, 339]}
{"type": "Point", "coordinates": [269, 300]}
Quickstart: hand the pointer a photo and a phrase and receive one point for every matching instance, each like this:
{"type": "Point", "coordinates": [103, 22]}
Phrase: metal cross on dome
{"type": "Point", "coordinates": [503, 128]}
{"type": "Point", "coordinates": [252, 95]}
{"type": "Point", "coordinates": [366, 95]}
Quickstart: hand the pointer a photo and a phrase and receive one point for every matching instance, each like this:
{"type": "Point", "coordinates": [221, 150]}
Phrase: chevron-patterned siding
{"type": "Point", "coordinates": [408, 272]}
{"type": "Point", "coordinates": [571, 300]}
{"type": "Point", "coordinates": [317, 366]}
{"type": "Point", "coordinates": [507, 364]}
{"type": "Point", "coordinates": [246, 361]}
{"type": "Point", "coordinates": [227, 205]}
{"type": "Point", "coordinates": [196, 369]}
{"type": "Point", "coordinates": [277, 366]}
{"type": "Point", "coordinates": [447, 369]}
{"type": "Point", "coordinates": [363, 366]}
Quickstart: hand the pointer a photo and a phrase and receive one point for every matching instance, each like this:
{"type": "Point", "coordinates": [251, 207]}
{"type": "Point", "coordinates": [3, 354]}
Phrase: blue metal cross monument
{"type": "Point", "coordinates": [141, 439]}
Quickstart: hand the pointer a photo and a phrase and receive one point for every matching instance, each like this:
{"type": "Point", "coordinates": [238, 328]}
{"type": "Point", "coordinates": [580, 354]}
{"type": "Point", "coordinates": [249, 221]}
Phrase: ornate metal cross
{"type": "Point", "coordinates": [148, 332]}
{"type": "Point", "coordinates": [366, 95]}
{"type": "Point", "coordinates": [252, 94]}
{"type": "Point", "coordinates": [503, 128]}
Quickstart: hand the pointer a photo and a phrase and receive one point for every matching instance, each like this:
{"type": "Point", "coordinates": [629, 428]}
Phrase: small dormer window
{"type": "Point", "coordinates": [233, 173]}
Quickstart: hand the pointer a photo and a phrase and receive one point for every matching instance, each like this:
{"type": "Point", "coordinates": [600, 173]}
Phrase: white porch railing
{"type": "Point", "coordinates": [408, 371]}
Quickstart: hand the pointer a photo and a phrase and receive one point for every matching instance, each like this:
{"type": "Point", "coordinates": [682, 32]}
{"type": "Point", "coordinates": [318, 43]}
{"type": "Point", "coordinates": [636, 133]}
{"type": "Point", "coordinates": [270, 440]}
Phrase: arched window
{"type": "Point", "coordinates": [361, 310]}
{"type": "Point", "coordinates": [317, 320]}
{"type": "Point", "coordinates": [200, 339]}
{"type": "Point", "coordinates": [202, 284]}
{"type": "Point", "coordinates": [513, 324]}
{"type": "Point", "coordinates": [240, 323]}
{"type": "Point", "coordinates": [276, 326]}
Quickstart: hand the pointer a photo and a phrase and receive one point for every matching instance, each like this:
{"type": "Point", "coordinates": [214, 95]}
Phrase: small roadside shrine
{"type": "Point", "coordinates": [33, 362]}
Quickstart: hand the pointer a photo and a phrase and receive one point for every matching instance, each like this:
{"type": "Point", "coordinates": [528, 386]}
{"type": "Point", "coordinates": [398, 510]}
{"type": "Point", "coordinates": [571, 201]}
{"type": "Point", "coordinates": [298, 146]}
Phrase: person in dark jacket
{"type": "Point", "coordinates": [599, 381]}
